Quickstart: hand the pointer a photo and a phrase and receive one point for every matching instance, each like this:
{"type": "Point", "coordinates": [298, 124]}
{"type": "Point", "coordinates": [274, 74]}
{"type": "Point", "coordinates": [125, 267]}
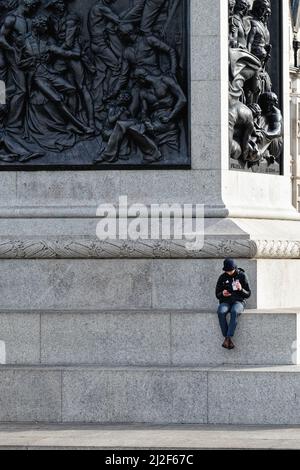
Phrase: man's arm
{"type": "Point", "coordinates": [144, 108]}
{"type": "Point", "coordinates": [66, 54]}
{"type": "Point", "coordinates": [72, 24]}
{"type": "Point", "coordinates": [123, 77]}
{"type": "Point", "coordinates": [6, 29]}
{"type": "Point", "coordinates": [251, 37]}
{"type": "Point", "coordinates": [156, 43]}
{"type": "Point", "coordinates": [219, 288]}
{"type": "Point", "coordinates": [178, 93]}
{"type": "Point", "coordinates": [114, 114]}
{"type": "Point", "coordinates": [246, 290]}
{"type": "Point", "coordinates": [108, 14]}
{"type": "Point", "coordinates": [233, 32]}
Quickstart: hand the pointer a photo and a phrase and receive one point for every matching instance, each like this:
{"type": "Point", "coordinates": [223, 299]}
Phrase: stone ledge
{"type": "Point", "coordinates": [211, 210]}
{"type": "Point", "coordinates": [145, 338]}
{"type": "Point", "coordinates": [158, 396]}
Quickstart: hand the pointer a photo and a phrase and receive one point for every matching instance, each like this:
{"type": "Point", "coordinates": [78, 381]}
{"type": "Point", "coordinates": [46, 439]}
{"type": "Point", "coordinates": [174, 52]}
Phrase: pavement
{"type": "Point", "coordinates": [130, 437]}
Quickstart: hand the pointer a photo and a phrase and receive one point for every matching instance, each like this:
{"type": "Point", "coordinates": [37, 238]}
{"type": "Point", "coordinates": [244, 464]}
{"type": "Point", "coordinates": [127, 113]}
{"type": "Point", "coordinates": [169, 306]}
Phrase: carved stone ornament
{"type": "Point", "coordinates": [255, 118]}
{"type": "Point", "coordinates": [92, 248]}
{"type": "Point", "coordinates": [94, 84]}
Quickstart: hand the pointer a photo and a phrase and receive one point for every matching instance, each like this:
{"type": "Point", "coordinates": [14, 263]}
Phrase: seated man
{"type": "Point", "coordinates": [232, 290]}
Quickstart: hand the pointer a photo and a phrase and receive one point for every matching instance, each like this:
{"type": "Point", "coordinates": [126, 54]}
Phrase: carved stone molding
{"type": "Point", "coordinates": [92, 248]}
{"type": "Point", "coordinates": [286, 249]}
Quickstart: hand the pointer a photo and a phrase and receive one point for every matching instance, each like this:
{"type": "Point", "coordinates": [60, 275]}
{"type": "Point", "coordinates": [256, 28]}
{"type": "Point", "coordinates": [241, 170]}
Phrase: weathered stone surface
{"type": "Point", "coordinates": [278, 283]}
{"type": "Point", "coordinates": [169, 187]}
{"type": "Point", "coordinates": [8, 193]}
{"type": "Point", "coordinates": [206, 147]}
{"type": "Point", "coordinates": [205, 58]}
{"type": "Point", "coordinates": [135, 396]}
{"type": "Point", "coordinates": [19, 338]}
{"type": "Point", "coordinates": [235, 395]}
{"type": "Point", "coordinates": [205, 97]}
{"type": "Point", "coordinates": [89, 284]}
{"type": "Point", "coordinates": [255, 395]}
{"type": "Point", "coordinates": [67, 187]}
{"type": "Point", "coordinates": [201, 10]}
{"type": "Point", "coordinates": [30, 395]}
{"type": "Point", "coordinates": [146, 338]}
{"type": "Point", "coordinates": [106, 338]}
{"type": "Point", "coordinates": [116, 284]}
{"type": "Point", "coordinates": [262, 338]}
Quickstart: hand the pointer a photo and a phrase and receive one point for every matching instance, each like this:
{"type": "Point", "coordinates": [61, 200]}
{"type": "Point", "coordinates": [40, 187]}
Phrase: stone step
{"type": "Point", "coordinates": [146, 338]}
{"type": "Point", "coordinates": [221, 395]}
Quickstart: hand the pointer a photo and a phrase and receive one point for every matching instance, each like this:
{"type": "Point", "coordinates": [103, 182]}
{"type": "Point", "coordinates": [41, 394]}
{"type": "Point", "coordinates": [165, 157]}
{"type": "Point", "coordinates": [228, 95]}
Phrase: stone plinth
{"type": "Point", "coordinates": [100, 300]}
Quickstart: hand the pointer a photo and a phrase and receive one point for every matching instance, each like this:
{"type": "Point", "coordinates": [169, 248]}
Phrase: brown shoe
{"type": "Point", "coordinates": [231, 344]}
{"type": "Point", "coordinates": [226, 343]}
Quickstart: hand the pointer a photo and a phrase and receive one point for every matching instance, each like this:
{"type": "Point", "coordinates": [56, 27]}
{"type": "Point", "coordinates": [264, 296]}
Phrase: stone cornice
{"type": "Point", "coordinates": [92, 248]}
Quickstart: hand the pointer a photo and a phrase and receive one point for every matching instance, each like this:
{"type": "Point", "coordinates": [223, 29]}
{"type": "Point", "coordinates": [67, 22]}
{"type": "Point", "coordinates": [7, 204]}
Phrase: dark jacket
{"type": "Point", "coordinates": [225, 283]}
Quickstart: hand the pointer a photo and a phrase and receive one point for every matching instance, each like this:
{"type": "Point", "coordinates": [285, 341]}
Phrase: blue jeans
{"type": "Point", "coordinates": [235, 309]}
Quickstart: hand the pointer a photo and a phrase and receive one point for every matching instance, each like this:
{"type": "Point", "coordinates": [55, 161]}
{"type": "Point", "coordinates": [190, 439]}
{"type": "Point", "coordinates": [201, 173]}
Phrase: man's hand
{"type": "Point", "coordinates": [238, 286]}
{"type": "Point", "coordinates": [226, 293]}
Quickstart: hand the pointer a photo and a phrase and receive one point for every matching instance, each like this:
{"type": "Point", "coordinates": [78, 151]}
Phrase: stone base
{"type": "Point", "coordinates": [241, 395]}
{"type": "Point", "coordinates": [153, 367]}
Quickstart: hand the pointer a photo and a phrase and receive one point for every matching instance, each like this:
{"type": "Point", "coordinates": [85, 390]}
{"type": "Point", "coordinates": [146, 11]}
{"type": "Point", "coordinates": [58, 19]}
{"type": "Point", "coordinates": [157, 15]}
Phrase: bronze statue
{"type": "Point", "coordinates": [15, 27]}
{"type": "Point", "coordinates": [145, 13]}
{"type": "Point", "coordinates": [255, 120]}
{"type": "Point", "coordinates": [239, 24]}
{"type": "Point", "coordinates": [259, 36]}
{"type": "Point", "coordinates": [124, 130]}
{"type": "Point", "coordinates": [67, 29]}
{"type": "Point", "coordinates": [48, 108]}
{"type": "Point", "coordinates": [74, 97]}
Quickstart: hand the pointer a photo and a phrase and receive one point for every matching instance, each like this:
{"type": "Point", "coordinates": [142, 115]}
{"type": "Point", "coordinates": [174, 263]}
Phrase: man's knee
{"type": "Point", "coordinates": [237, 308]}
{"type": "Point", "coordinates": [223, 309]}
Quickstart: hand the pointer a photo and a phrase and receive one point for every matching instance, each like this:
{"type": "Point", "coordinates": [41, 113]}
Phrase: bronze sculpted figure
{"type": "Point", "coordinates": [255, 120]}
{"type": "Point", "coordinates": [239, 24]}
{"type": "Point", "coordinates": [93, 84]}
{"type": "Point", "coordinates": [16, 25]}
{"type": "Point", "coordinates": [145, 13]}
{"type": "Point", "coordinates": [259, 36]}
{"type": "Point", "coordinates": [67, 29]}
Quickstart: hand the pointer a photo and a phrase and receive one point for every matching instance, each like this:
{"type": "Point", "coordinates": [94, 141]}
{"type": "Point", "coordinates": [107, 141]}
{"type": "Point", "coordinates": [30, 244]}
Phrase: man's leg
{"type": "Point", "coordinates": [17, 99]}
{"type": "Point", "coordinates": [79, 76]}
{"type": "Point", "coordinates": [223, 310]}
{"type": "Point", "coordinates": [135, 13]}
{"type": "Point", "coordinates": [150, 14]}
{"type": "Point", "coordinates": [111, 153]}
{"type": "Point", "coordinates": [236, 309]}
{"type": "Point", "coordinates": [54, 88]}
{"type": "Point", "coordinates": [148, 146]}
